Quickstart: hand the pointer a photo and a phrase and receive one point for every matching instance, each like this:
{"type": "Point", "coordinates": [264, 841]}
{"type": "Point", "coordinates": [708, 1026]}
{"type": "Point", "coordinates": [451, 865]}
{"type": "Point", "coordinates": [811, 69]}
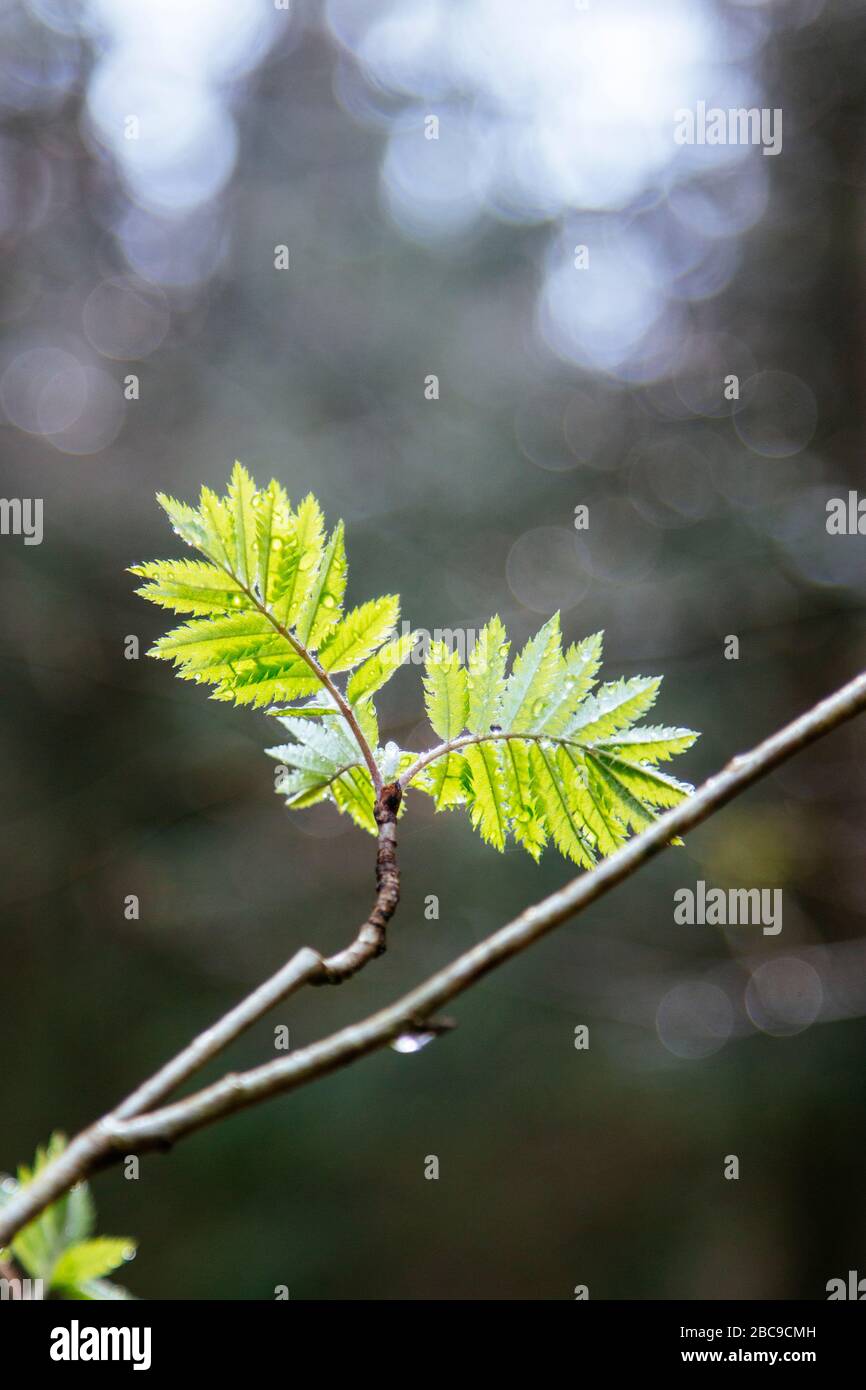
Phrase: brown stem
{"type": "Point", "coordinates": [370, 940]}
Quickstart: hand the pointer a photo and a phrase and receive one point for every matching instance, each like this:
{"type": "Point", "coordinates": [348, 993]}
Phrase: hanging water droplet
{"type": "Point", "coordinates": [417, 1034]}
{"type": "Point", "coordinates": [503, 650]}
{"type": "Point", "coordinates": [412, 1042]}
{"type": "Point", "coordinates": [128, 1252]}
{"type": "Point", "coordinates": [8, 1185]}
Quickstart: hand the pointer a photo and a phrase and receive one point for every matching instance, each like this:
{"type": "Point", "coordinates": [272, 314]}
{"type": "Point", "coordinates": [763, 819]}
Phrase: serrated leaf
{"type": "Point", "coordinates": [445, 691]}
{"type": "Point", "coordinates": [217, 524]}
{"type": "Point", "coordinates": [647, 745]}
{"type": "Point", "coordinates": [261, 681]}
{"type": "Point", "coordinates": [186, 521]}
{"type": "Point", "coordinates": [272, 522]}
{"type": "Point", "coordinates": [90, 1259]}
{"type": "Point", "coordinates": [80, 1213]}
{"type": "Point", "coordinates": [205, 643]}
{"type": "Point", "coordinates": [190, 586]}
{"type": "Point", "coordinates": [630, 810]}
{"type": "Point", "coordinates": [574, 679]}
{"type": "Point", "coordinates": [379, 668]}
{"type": "Point", "coordinates": [527, 823]}
{"type": "Point", "coordinates": [484, 793]}
{"type": "Point", "coordinates": [298, 562]}
{"type": "Point", "coordinates": [317, 748]}
{"type": "Point", "coordinates": [563, 824]}
{"type": "Point", "coordinates": [616, 706]}
{"type": "Point", "coordinates": [301, 788]}
{"type": "Point", "coordinates": [360, 633]}
{"type": "Point", "coordinates": [487, 677]}
{"type": "Point", "coordinates": [589, 796]}
{"type": "Point", "coordinates": [445, 781]}
{"type": "Point", "coordinates": [240, 503]}
{"type": "Point", "coordinates": [368, 722]}
{"type": "Point", "coordinates": [532, 680]}
{"type": "Point", "coordinates": [320, 610]}
{"type": "Point", "coordinates": [353, 793]}
{"type": "Point", "coordinates": [648, 784]}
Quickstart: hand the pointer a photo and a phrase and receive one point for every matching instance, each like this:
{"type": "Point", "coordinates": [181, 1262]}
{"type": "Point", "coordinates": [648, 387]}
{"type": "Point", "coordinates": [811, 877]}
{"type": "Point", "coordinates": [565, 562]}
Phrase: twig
{"type": "Point", "coordinates": [319, 671]}
{"type": "Point", "coordinates": [117, 1133]}
{"type": "Point", "coordinates": [305, 967]}
{"type": "Point", "coordinates": [453, 745]}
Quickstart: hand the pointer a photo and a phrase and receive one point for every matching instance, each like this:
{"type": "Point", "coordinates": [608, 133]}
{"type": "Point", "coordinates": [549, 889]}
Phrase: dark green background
{"type": "Point", "coordinates": [558, 1167]}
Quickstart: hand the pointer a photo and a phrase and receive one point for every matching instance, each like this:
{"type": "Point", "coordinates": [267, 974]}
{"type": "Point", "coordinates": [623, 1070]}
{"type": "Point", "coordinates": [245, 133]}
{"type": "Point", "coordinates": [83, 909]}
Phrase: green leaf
{"type": "Point", "coordinates": [615, 707]}
{"type": "Point", "coordinates": [190, 586]}
{"type": "Point", "coordinates": [242, 508]}
{"type": "Point", "coordinates": [629, 809]}
{"type": "Point", "coordinates": [646, 783]}
{"type": "Point", "coordinates": [379, 668]}
{"type": "Point", "coordinates": [90, 1259]}
{"type": "Point", "coordinates": [527, 823]}
{"type": "Point", "coordinates": [205, 644]}
{"type": "Point", "coordinates": [266, 680]}
{"type": "Point", "coordinates": [80, 1213]}
{"type": "Point", "coordinates": [446, 701]}
{"type": "Point", "coordinates": [565, 826]}
{"type": "Point", "coordinates": [532, 680]}
{"type": "Point", "coordinates": [57, 1246]}
{"type": "Point", "coordinates": [487, 677]}
{"type": "Point", "coordinates": [574, 679]}
{"type": "Point", "coordinates": [186, 522]}
{"type": "Point", "coordinates": [445, 692]}
{"type": "Point", "coordinates": [590, 797]}
{"type": "Point", "coordinates": [353, 793]}
{"type": "Point", "coordinates": [217, 522]}
{"type": "Point", "coordinates": [648, 745]}
{"type": "Point", "coordinates": [360, 633]}
{"type": "Point", "coordinates": [549, 760]}
{"type": "Point", "coordinates": [298, 564]}
{"type": "Point", "coordinates": [320, 610]}
{"type": "Point", "coordinates": [272, 531]}
{"type": "Point", "coordinates": [445, 781]}
{"type": "Point", "coordinates": [484, 792]}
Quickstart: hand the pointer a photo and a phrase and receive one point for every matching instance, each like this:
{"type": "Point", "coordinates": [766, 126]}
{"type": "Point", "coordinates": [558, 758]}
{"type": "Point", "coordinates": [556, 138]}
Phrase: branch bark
{"type": "Point", "coordinates": [134, 1127]}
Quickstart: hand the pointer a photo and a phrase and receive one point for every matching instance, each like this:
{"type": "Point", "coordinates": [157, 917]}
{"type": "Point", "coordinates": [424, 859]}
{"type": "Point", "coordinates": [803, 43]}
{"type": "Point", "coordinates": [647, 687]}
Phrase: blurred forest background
{"type": "Point", "coordinates": [306, 126]}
